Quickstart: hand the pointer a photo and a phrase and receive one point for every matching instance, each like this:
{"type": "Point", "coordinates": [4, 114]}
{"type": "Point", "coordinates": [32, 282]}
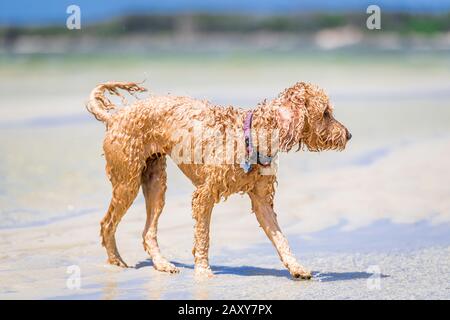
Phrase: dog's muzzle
{"type": "Point", "coordinates": [348, 135]}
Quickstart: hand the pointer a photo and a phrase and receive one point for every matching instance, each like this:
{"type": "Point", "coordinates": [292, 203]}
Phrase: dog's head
{"type": "Point", "coordinates": [305, 117]}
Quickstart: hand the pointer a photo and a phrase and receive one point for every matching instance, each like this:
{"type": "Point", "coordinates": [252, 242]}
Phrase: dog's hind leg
{"type": "Point", "coordinates": [125, 190]}
{"type": "Point", "coordinates": [154, 187]}
{"type": "Point", "coordinates": [262, 204]}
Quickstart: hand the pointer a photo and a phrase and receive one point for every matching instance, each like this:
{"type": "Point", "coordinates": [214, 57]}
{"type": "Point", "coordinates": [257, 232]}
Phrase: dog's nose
{"type": "Point", "coordinates": [349, 135]}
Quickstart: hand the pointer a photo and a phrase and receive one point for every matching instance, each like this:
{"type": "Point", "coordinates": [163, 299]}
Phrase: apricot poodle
{"type": "Point", "coordinates": [222, 150]}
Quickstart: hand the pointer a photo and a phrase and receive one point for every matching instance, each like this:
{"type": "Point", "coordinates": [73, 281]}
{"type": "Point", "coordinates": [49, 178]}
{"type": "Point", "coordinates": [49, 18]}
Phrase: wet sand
{"type": "Point", "coordinates": [371, 222]}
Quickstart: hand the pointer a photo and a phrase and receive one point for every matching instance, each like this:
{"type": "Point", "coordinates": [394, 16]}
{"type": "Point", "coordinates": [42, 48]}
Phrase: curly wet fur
{"type": "Point", "coordinates": [140, 136]}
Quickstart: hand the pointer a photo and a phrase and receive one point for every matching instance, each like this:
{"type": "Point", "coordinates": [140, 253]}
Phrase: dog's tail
{"type": "Point", "coordinates": [99, 104]}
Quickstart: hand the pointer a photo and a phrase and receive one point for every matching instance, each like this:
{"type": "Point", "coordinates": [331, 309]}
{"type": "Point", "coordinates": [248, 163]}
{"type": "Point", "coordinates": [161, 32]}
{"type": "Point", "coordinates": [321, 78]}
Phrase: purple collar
{"type": "Point", "coordinates": [252, 157]}
{"type": "Point", "coordinates": [248, 132]}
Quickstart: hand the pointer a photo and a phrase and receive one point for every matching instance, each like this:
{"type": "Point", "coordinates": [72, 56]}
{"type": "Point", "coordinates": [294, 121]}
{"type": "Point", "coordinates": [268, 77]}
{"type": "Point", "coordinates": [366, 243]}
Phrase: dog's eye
{"type": "Point", "coordinates": [326, 114]}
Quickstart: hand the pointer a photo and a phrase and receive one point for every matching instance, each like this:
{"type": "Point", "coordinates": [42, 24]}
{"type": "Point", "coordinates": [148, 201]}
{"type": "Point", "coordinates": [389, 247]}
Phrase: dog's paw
{"type": "Point", "coordinates": [165, 266]}
{"type": "Point", "coordinates": [298, 272]}
{"type": "Point", "coordinates": [203, 272]}
{"type": "Point", "coordinates": [117, 262]}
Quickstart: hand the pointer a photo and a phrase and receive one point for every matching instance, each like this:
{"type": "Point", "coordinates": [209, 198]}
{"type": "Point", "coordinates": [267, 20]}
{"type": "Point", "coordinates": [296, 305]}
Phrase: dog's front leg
{"type": "Point", "coordinates": [202, 205]}
{"type": "Point", "coordinates": [267, 219]}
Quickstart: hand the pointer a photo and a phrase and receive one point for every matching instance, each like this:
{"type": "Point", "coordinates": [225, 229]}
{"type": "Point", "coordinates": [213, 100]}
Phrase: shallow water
{"type": "Point", "coordinates": [384, 202]}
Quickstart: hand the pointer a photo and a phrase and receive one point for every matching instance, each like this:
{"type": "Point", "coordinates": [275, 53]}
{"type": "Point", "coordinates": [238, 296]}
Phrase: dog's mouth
{"type": "Point", "coordinates": [322, 141]}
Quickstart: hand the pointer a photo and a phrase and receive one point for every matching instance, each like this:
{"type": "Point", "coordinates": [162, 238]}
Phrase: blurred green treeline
{"type": "Point", "coordinates": [402, 23]}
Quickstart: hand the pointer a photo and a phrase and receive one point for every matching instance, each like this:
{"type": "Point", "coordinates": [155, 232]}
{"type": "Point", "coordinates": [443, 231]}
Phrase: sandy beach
{"type": "Point", "coordinates": [372, 222]}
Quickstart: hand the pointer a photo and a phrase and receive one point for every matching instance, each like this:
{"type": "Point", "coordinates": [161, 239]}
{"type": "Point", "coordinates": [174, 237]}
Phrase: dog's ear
{"type": "Point", "coordinates": [292, 115]}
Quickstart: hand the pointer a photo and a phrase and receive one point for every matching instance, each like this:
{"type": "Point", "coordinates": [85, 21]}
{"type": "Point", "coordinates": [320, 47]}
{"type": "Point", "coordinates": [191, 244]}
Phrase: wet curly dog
{"type": "Point", "coordinates": [140, 136]}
